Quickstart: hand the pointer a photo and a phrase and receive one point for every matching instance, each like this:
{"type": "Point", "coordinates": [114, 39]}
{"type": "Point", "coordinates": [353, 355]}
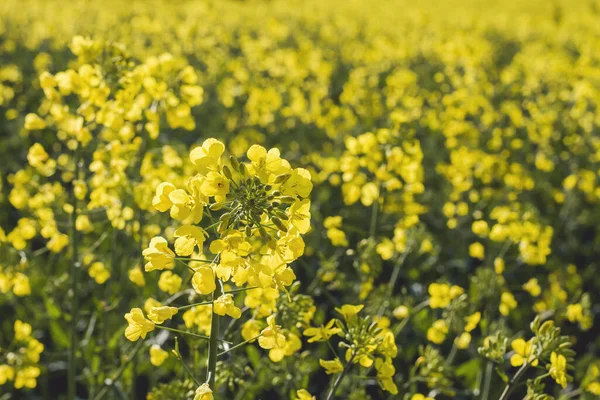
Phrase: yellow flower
{"type": "Point", "coordinates": [498, 265]}
{"type": "Point", "coordinates": [303, 394]}
{"type": "Point", "coordinates": [463, 341]}
{"type": "Point", "coordinates": [507, 303]}
{"type": "Point", "coordinates": [419, 396]}
{"type": "Point", "coordinates": [332, 222]}
{"type": "Point", "coordinates": [169, 282]}
{"type": "Point", "coordinates": [322, 333]}
{"type": "Point", "coordinates": [532, 286]}
{"type": "Point", "coordinates": [300, 215]}
{"type": "Point", "coordinates": [266, 164]}
{"type": "Point", "coordinates": [158, 255]}
{"type": "Point", "coordinates": [203, 280]}
{"type": "Point", "coordinates": [437, 332]}
{"type": "Point", "coordinates": [22, 330]}
{"type": "Point", "coordinates": [348, 311]}
{"type": "Point", "coordinates": [37, 155]}
{"type": "Point", "coordinates": [385, 376]}
{"type": "Point", "coordinates": [21, 286]}
{"type": "Point", "coordinates": [476, 250]}
{"type": "Point", "coordinates": [27, 377]}
{"type": "Point", "coordinates": [138, 325]}
{"type": "Point", "coordinates": [299, 184]}
{"type": "Point", "coordinates": [183, 205]}
{"type": "Point", "coordinates": [558, 368]}
{"type": "Point", "coordinates": [480, 228]}
{"type": "Point", "coordinates": [593, 388]}
{"type": "Point", "coordinates": [7, 373]}
{"type": "Point", "coordinates": [188, 237]}
{"type": "Point", "coordinates": [332, 366]}
{"type": "Point", "coordinates": [369, 193]}
{"type": "Point", "coordinates": [98, 272]}
{"type": "Point", "coordinates": [157, 355]}
{"type": "Point", "coordinates": [203, 392]}
{"type": "Point", "coordinates": [272, 336]}
{"type": "Point", "coordinates": [472, 321]}
{"type": "Point", "coordinates": [158, 315]}
{"type": "Point", "coordinates": [400, 312]}
{"type": "Point", "coordinates": [83, 224]}
{"type": "Point", "coordinates": [224, 305]}
{"type": "Point", "coordinates": [385, 249]}
{"type": "Point", "coordinates": [338, 237]}
{"type": "Point", "coordinates": [575, 312]}
{"type": "Point", "coordinates": [33, 122]}
{"type": "Point", "coordinates": [33, 351]}
{"type": "Point", "coordinates": [441, 294]}
{"type": "Point", "coordinates": [207, 155]}
{"type": "Point", "coordinates": [523, 353]}
{"type": "Point", "coordinates": [57, 242]}
{"type": "Point", "coordinates": [150, 303]}
{"type": "Point", "coordinates": [137, 276]}
{"type": "Point", "coordinates": [161, 200]}
{"type": "Point", "coordinates": [292, 345]}
{"type": "Point", "coordinates": [251, 329]}
{"type": "Point", "coordinates": [215, 185]}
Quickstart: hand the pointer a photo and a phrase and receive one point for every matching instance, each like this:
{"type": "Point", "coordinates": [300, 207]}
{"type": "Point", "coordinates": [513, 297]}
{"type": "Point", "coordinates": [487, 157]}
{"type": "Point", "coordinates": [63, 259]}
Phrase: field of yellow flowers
{"type": "Point", "coordinates": [300, 199]}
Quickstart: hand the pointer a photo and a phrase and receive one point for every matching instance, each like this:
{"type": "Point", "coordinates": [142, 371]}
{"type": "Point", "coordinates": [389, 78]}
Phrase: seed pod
{"type": "Point", "coordinates": [256, 215]}
{"type": "Point", "coordinates": [227, 172]}
{"type": "Point", "coordinates": [225, 217]}
{"type": "Point", "coordinates": [281, 215]}
{"type": "Point", "coordinates": [248, 230]}
{"type": "Point", "coordinates": [282, 178]}
{"type": "Point", "coordinates": [545, 327]}
{"type": "Point", "coordinates": [243, 170]}
{"type": "Point", "coordinates": [215, 206]}
{"type": "Point", "coordinates": [235, 164]}
{"type": "Point", "coordinates": [279, 224]}
{"type": "Point", "coordinates": [263, 234]}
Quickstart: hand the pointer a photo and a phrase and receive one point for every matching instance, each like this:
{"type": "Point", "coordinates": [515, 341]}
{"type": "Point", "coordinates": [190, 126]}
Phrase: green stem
{"type": "Point", "coordinates": [187, 333]}
{"type": "Point", "coordinates": [111, 381]}
{"type": "Point", "coordinates": [74, 289]}
{"type": "Point", "coordinates": [396, 271]}
{"type": "Point", "coordinates": [212, 344]}
{"type": "Point", "coordinates": [331, 348]}
{"type": "Point", "coordinates": [418, 308]}
{"type": "Point", "coordinates": [511, 385]}
{"type": "Point", "coordinates": [487, 381]}
{"type": "Point", "coordinates": [237, 345]}
{"type": "Point", "coordinates": [192, 259]}
{"type": "Point", "coordinates": [241, 289]}
{"type": "Point", "coordinates": [572, 394]}
{"type": "Point", "coordinates": [178, 354]}
{"type": "Point", "coordinates": [194, 305]}
{"type": "Point", "coordinates": [452, 354]}
{"type": "Point", "coordinates": [338, 381]}
{"type": "Point", "coordinates": [374, 213]}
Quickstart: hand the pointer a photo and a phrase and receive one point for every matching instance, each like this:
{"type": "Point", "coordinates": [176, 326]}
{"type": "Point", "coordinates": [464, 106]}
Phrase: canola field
{"type": "Point", "coordinates": [218, 199]}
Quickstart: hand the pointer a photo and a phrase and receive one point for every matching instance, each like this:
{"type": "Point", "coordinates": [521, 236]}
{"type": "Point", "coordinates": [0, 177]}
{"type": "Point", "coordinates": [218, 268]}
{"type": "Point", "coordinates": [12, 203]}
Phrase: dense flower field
{"type": "Point", "coordinates": [299, 199]}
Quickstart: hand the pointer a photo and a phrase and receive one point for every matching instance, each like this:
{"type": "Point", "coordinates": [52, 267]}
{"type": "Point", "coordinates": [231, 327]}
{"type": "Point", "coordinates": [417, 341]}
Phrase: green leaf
{"type": "Point", "coordinates": [59, 336]}
{"type": "Point", "coordinates": [114, 340]}
{"type": "Point", "coordinates": [51, 308]}
{"type": "Point", "coordinates": [502, 375]}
